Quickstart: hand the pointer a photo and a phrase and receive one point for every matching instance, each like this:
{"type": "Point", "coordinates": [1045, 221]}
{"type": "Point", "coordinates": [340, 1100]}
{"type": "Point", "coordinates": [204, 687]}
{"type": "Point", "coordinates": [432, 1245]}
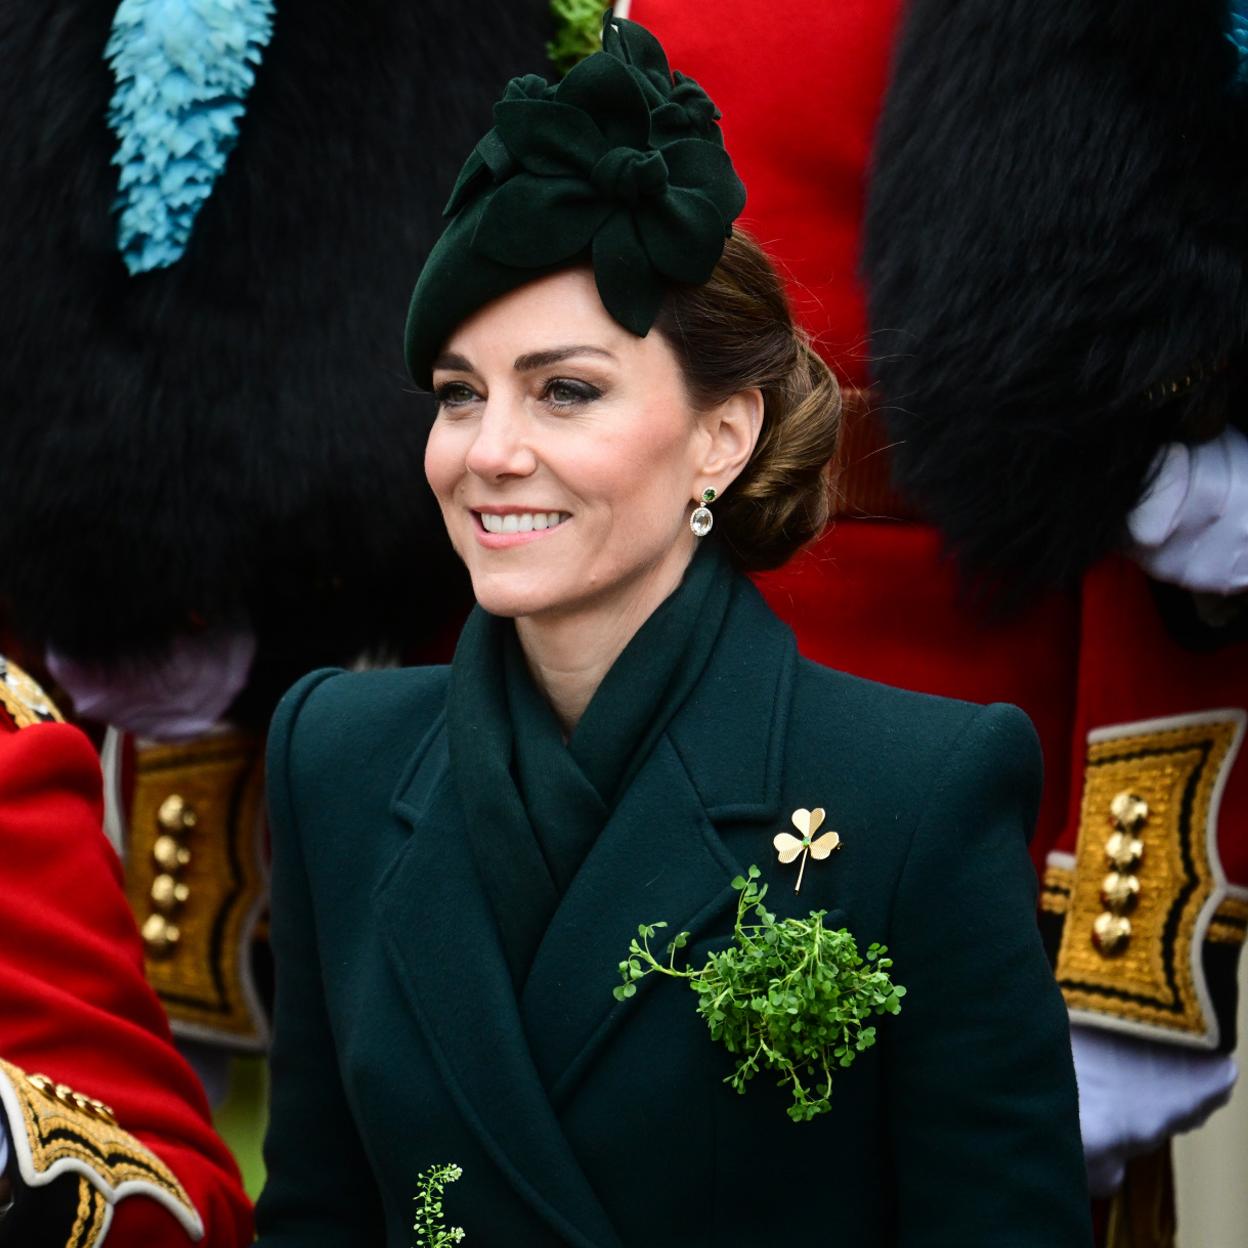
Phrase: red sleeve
{"type": "Point", "coordinates": [74, 1003]}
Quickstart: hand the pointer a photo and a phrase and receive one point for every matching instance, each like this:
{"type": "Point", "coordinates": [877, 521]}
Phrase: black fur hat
{"type": "Point", "coordinates": [1057, 265]}
{"type": "Point", "coordinates": [233, 439]}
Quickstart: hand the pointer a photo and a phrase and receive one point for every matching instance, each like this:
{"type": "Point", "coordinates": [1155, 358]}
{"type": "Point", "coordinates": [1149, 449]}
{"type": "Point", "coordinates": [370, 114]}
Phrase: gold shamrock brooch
{"type": "Point", "coordinates": [789, 847]}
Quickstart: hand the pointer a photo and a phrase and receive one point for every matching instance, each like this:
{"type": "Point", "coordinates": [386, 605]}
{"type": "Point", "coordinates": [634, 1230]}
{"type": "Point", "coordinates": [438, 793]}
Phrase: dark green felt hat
{"type": "Point", "coordinates": [621, 165]}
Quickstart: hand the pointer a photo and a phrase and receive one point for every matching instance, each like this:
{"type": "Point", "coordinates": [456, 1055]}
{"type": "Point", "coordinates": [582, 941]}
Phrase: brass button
{"type": "Point", "coordinates": [1120, 892]}
{"type": "Point", "coordinates": [101, 1110]}
{"type": "Point", "coordinates": [1111, 933]}
{"type": "Point", "coordinates": [41, 1083]}
{"type": "Point", "coordinates": [93, 1108]}
{"type": "Point", "coordinates": [176, 814]}
{"type": "Point", "coordinates": [169, 854]}
{"type": "Point", "coordinates": [168, 893]}
{"type": "Point", "coordinates": [65, 1095]}
{"type": "Point", "coordinates": [1124, 852]}
{"type": "Point", "coordinates": [159, 935]}
{"type": "Point", "coordinates": [1129, 812]}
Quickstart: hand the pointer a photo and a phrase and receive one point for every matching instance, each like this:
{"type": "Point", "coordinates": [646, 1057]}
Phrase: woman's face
{"type": "Point", "coordinates": [565, 453]}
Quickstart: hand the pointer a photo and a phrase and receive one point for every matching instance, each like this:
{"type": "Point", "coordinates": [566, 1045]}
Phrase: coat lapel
{"type": "Point", "coordinates": [439, 930]}
{"type": "Point", "coordinates": [510, 1066]}
{"type": "Point", "coordinates": [662, 854]}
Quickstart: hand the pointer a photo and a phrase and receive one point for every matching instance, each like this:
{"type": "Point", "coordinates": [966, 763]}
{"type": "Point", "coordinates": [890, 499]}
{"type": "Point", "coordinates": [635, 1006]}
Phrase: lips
{"type": "Point", "coordinates": [521, 521]}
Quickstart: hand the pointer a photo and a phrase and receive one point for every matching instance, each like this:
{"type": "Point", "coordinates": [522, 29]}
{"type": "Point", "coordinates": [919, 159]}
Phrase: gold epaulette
{"type": "Point", "coordinates": [1150, 928]}
{"type": "Point", "coordinates": [198, 884]}
{"type": "Point", "coordinates": [21, 698]}
{"type": "Point", "coordinates": [55, 1131]}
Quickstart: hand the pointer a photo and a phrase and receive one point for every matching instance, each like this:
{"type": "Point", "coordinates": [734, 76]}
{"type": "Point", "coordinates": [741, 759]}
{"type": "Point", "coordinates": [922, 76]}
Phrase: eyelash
{"type": "Point", "coordinates": [581, 392]}
{"type": "Point", "coordinates": [443, 394]}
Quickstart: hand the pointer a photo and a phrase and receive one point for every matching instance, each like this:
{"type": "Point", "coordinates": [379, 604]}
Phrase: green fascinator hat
{"type": "Point", "coordinates": [620, 166]}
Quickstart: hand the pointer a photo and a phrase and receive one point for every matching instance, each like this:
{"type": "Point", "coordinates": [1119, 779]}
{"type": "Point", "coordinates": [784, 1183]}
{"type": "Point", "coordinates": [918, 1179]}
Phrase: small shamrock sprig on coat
{"type": "Point", "coordinates": [430, 1185]}
{"type": "Point", "coordinates": [790, 994]}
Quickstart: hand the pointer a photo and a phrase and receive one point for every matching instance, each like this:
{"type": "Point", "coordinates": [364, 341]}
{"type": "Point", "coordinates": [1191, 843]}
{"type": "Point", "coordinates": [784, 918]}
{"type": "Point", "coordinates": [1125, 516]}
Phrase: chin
{"type": "Point", "coordinates": [512, 596]}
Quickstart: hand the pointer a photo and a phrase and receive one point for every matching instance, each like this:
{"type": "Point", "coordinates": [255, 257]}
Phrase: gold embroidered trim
{"type": "Point", "coordinates": [1055, 889]}
{"type": "Point", "coordinates": [23, 699]}
{"type": "Point", "coordinates": [1226, 933]}
{"type": "Point", "coordinates": [1229, 925]}
{"type": "Point", "coordinates": [92, 1217]}
{"type": "Point", "coordinates": [61, 1129]}
{"type": "Point", "coordinates": [196, 882]}
{"type": "Point", "coordinates": [1145, 876]}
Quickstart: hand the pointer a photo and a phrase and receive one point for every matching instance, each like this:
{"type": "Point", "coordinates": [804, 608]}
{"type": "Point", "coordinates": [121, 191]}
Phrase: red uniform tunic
{"type": "Point", "coordinates": [92, 1088]}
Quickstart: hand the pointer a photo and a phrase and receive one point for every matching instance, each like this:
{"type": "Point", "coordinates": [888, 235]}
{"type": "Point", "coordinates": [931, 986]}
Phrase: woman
{"type": "Point", "coordinates": [461, 855]}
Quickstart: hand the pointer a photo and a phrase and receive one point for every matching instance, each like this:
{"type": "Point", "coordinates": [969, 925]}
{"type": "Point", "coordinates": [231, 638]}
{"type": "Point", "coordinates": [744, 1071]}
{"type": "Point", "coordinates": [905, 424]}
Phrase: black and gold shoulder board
{"type": "Point", "coordinates": [1144, 927]}
{"type": "Point", "coordinates": [74, 1163]}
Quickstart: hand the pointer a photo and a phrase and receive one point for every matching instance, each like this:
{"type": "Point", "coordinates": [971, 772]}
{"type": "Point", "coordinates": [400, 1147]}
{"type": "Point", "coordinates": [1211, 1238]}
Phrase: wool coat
{"type": "Point", "coordinates": [403, 1042]}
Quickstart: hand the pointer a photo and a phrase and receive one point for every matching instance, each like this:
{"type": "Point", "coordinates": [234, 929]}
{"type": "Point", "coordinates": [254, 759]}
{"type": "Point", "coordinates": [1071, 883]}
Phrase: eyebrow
{"type": "Point", "coordinates": [544, 359]}
{"type": "Point", "coordinates": [453, 362]}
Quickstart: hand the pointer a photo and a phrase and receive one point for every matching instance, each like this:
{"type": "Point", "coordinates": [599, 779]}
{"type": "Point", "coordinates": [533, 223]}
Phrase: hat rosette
{"type": "Point", "coordinates": [620, 166]}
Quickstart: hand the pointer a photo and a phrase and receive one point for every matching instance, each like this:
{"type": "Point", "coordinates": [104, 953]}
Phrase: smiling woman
{"type": "Point", "coordinates": [547, 406]}
{"type": "Point", "coordinates": [462, 854]}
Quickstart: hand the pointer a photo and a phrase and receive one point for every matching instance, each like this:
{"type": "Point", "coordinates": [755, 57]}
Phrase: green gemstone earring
{"type": "Point", "coordinates": [702, 520]}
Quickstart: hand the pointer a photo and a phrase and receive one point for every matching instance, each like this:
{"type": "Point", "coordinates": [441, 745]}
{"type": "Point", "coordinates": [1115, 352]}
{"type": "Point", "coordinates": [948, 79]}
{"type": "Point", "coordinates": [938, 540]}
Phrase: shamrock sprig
{"type": "Point", "coordinates": [430, 1185]}
{"type": "Point", "coordinates": [788, 994]}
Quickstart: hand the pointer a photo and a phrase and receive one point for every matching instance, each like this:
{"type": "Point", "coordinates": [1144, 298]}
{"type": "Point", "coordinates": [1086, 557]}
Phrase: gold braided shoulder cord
{"type": "Point", "coordinates": [1145, 888]}
{"type": "Point", "coordinates": [23, 699]}
{"type": "Point", "coordinates": [56, 1131]}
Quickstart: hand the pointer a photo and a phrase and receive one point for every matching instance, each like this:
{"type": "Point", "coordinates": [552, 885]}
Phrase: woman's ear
{"type": "Point", "coordinates": [732, 430]}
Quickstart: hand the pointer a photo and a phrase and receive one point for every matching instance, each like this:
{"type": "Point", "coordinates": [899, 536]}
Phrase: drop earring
{"type": "Point", "coordinates": [702, 520]}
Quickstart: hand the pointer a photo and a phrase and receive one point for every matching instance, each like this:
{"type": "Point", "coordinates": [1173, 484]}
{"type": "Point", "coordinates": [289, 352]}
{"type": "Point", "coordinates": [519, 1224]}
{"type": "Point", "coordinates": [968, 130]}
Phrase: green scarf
{"type": "Point", "coordinates": [533, 804]}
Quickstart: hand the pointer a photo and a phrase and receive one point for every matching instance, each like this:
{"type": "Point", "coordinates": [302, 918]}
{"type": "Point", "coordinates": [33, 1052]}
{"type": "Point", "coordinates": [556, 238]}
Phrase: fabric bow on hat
{"type": "Point", "coordinates": [621, 165]}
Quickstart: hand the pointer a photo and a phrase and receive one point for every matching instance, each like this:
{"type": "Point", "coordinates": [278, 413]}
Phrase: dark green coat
{"type": "Point", "coordinates": [400, 1043]}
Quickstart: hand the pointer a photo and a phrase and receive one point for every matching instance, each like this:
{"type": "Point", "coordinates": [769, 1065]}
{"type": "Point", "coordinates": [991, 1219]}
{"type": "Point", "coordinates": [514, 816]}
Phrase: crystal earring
{"type": "Point", "coordinates": [702, 520]}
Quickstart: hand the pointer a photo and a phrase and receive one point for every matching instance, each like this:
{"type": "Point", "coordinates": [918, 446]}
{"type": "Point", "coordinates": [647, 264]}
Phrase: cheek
{"type": "Point", "coordinates": [444, 461]}
{"type": "Point", "coordinates": [648, 475]}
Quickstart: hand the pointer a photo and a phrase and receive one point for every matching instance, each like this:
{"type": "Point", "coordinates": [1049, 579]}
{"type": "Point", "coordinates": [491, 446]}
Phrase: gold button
{"type": "Point", "coordinates": [102, 1110]}
{"type": "Point", "coordinates": [159, 935]}
{"type": "Point", "coordinates": [1120, 892]}
{"type": "Point", "coordinates": [93, 1108]}
{"type": "Point", "coordinates": [1129, 812]}
{"type": "Point", "coordinates": [176, 814]}
{"type": "Point", "coordinates": [1111, 933]}
{"type": "Point", "coordinates": [168, 893]}
{"type": "Point", "coordinates": [1124, 852]}
{"type": "Point", "coordinates": [169, 854]}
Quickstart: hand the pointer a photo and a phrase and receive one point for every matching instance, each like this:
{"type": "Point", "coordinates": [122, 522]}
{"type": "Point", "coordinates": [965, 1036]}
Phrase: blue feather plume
{"type": "Point", "coordinates": [1237, 33]}
{"type": "Point", "coordinates": [183, 70]}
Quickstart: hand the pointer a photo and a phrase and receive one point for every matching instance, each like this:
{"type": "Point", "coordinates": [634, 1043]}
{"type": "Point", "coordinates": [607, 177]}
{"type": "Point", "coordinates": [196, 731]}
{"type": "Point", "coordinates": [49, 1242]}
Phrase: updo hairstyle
{"type": "Point", "coordinates": [735, 332]}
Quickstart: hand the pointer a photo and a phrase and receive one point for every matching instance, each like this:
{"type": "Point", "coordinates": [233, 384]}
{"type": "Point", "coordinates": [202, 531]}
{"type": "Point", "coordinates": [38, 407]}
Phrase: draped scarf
{"type": "Point", "coordinates": [533, 803]}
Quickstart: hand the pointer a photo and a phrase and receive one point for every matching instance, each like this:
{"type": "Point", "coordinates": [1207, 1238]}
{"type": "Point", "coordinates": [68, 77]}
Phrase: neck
{"type": "Point", "coordinates": [569, 653]}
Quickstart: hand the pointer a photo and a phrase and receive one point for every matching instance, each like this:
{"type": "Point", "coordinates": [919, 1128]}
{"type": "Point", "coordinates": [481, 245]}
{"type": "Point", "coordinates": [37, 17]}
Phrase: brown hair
{"type": "Point", "coordinates": [735, 333]}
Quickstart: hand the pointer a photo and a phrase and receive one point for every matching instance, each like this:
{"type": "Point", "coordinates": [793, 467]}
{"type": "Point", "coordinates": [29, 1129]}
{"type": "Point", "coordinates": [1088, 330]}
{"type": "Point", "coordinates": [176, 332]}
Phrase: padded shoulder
{"type": "Point", "coordinates": [906, 748]}
{"type": "Point", "coordinates": [335, 726]}
{"type": "Point", "coordinates": [332, 701]}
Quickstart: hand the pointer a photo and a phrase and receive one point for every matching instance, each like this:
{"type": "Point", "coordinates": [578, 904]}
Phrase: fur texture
{"type": "Point", "coordinates": [1056, 225]}
{"type": "Point", "coordinates": [234, 439]}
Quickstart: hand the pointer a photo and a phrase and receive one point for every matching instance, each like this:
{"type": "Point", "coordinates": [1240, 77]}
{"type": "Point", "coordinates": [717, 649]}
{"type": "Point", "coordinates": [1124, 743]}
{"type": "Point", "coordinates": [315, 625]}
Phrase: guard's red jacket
{"type": "Point", "coordinates": [109, 1130]}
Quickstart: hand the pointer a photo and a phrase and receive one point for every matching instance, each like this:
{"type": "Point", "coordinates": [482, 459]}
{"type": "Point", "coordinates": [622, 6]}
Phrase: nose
{"type": "Point", "coordinates": [502, 446]}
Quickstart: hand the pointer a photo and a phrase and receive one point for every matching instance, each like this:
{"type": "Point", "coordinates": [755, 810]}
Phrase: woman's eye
{"type": "Point", "coordinates": [564, 392]}
{"type": "Point", "coordinates": [455, 394]}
